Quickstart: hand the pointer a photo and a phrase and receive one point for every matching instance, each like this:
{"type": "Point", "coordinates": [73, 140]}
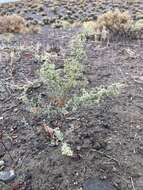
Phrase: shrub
{"type": "Point", "coordinates": [115, 21]}
{"type": "Point", "coordinates": [89, 97]}
{"type": "Point", "coordinates": [12, 24]}
{"type": "Point", "coordinates": [15, 24]}
{"type": "Point", "coordinates": [67, 90]}
{"type": "Point", "coordinates": [61, 83]}
{"type": "Point", "coordinates": [109, 24]}
{"type": "Point", "coordinates": [67, 87]}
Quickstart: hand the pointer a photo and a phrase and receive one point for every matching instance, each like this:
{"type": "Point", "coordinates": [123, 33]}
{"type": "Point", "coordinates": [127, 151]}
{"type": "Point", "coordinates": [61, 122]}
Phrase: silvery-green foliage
{"type": "Point", "coordinates": [51, 77]}
{"type": "Point", "coordinates": [59, 135]}
{"type": "Point", "coordinates": [66, 149]}
{"type": "Point", "coordinates": [60, 83]}
{"type": "Point", "coordinates": [92, 96]}
{"type": "Point", "coordinates": [77, 46]}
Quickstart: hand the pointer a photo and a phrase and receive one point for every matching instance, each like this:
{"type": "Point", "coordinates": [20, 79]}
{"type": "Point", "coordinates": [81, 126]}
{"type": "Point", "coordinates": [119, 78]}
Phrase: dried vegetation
{"type": "Point", "coordinates": [15, 24]}
{"type": "Point", "coordinates": [113, 23]}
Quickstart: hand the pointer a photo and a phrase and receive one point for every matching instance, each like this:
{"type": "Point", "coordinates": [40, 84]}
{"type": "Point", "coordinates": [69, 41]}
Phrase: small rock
{"type": "Point", "coordinates": [1, 163]}
{"type": "Point", "coordinates": [7, 176]}
{"type": "Point", "coordinates": [103, 177]}
{"type": "Point", "coordinates": [97, 184]}
{"type": "Point", "coordinates": [109, 147]}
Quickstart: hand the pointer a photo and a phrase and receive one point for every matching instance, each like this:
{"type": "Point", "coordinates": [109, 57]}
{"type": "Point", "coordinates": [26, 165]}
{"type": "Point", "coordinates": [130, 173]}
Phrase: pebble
{"type": "Point", "coordinates": [1, 163]}
{"type": "Point", "coordinates": [97, 184]}
{"type": "Point", "coordinates": [109, 147]}
{"type": "Point", "coordinates": [7, 176]}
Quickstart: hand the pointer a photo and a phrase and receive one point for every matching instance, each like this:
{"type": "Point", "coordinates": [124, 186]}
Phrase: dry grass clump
{"type": "Point", "coordinates": [12, 24]}
{"type": "Point", "coordinates": [16, 24]}
{"type": "Point", "coordinates": [115, 21]}
{"type": "Point", "coordinates": [109, 24]}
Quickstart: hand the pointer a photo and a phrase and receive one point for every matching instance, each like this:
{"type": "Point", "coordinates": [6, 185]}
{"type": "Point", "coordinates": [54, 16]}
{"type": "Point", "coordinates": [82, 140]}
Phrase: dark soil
{"type": "Point", "coordinates": [107, 139]}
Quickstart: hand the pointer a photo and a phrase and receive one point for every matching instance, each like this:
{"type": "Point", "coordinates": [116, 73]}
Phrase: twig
{"type": "Point", "coordinates": [22, 161]}
{"type": "Point", "coordinates": [9, 108]}
{"type": "Point", "coordinates": [7, 151]}
{"type": "Point", "coordinates": [132, 182]}
{"type": "Point", "coordinates": [106, 155]}
{"type": "Point", "coordinates": [138, 81]}
{"type": "Point", "coordinates": [121, 177]}
{"type": "Point", "coordinates": [139, 106]}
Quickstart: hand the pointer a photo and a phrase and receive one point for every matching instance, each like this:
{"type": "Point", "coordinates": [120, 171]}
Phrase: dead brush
{"type": "Point", "coordinates": [111, 23]}
{"type": "Point", "coordinates": [12, 24]}
{"type": "Point", "coordinates": [115, 21]}
{"type": "Point", "coordinates": [15, 24]}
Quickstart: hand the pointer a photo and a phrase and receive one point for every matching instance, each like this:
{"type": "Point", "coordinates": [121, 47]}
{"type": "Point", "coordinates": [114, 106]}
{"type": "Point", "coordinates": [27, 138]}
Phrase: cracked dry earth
{"type": "Point", "coordinates": [107, 139]}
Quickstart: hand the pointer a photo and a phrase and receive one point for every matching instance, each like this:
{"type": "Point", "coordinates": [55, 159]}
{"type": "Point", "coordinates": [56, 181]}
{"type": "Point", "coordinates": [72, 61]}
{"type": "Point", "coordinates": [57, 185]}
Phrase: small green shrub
{"type": "Point", "coordinates": [61, 83]}
{"type": "Point", "coordinates": [67, 87]}
{"type": "Point", "coordinates": [67, 90]}
{"type": "Point", "coordinates": [92, 96]}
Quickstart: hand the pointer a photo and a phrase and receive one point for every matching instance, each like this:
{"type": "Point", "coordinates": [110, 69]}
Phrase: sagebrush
{"type": "Point", "coordinates": [16, 24]}
{"type": "Point", "coordinates": [12, 24]}
{"type": "Point", "coordinates": [113, 23]}
{"type": "Point", "coordinates": [61, 83]}
{"type": "Point", "coordinates": [67, 90]}
{"type": "Point", "coordinates": [68, 87]}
